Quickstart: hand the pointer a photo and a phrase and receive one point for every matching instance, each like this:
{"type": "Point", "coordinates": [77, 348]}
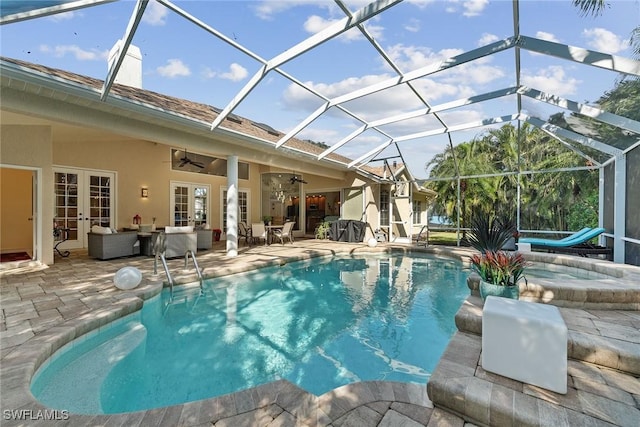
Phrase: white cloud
{"type": "Point", "coordinates": [174, 68]}
{"type": "Point", "coordinates": [65, 16]}
{"type": "Point", "coordinates": [155, 14]}
{"type": "Point", "coordinates": [456, 83]}
{"type": "Point", "coordinates": [236, 73]}
{"type": "Point", "coordinates": [413, 26]}
{"type": "Point", "coordinates": [413, 57]}
{"type": "Point", "coordinates": [552, 79]}
{"type": "Point", "coordinates": [348, 85]}
{"type": "Point", "coordinates": [474, 7]}
{"type": "Point", "coordinates": [604, 40]}
{"type": "Point", "coordinates": [267, 9]}
{"type": "Point", "coordinates": [487, 38]}
{"type": "Point", "coordinates": [410, 58]}
{"type": "Point", "coordinates": [420, 3]}
{"type": "Point", "coordinates": [314, 24]}
{"type": "Point", "coordinates": [296, 98]}
{"type": "Point", "coordinates": [208, 73]}
{"type": "Point", "coordinates": [543, 35]}
{"type": "Point", "coordinates": [77, 52]}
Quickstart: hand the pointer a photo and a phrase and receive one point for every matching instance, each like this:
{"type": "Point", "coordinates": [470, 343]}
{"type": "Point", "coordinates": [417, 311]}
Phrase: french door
{"type": "Point", "coordinates": [82, 198]}
{"type": "Point", "coordinates": [190, 203]}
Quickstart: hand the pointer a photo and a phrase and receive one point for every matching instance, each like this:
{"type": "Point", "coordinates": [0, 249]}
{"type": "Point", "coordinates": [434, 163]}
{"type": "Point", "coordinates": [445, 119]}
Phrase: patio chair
{"type": "Point", "coordinates": [577, 245]}
{"type": "Point", "coordinates": [258, 232]}
{"type": "Point", "coordinates": [536, 240]}
{"type": "Point", "coordinates": [285, 233]}
{"type": "Point", "coordinates": [244, 232]}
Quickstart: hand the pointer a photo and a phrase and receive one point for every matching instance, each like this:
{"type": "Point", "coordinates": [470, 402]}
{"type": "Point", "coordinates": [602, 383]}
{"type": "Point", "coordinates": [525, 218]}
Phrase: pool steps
{"type": "Point", "coordinates": [160, 254]}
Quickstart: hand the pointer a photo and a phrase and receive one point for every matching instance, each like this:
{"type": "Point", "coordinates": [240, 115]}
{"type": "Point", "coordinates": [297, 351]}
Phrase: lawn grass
{"type": "Point", "coordinates": [449, 238]}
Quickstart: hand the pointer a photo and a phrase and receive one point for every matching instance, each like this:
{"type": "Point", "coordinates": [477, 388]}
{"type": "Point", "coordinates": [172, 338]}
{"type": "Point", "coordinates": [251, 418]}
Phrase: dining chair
{"type": "Point", "coordinates": [285, 233]}
{"type": "Point", "coordinates": [258, 232]}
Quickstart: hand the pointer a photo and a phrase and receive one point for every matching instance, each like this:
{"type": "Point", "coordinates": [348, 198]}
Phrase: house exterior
{"type": "Point", "coordinates": [71, 159]}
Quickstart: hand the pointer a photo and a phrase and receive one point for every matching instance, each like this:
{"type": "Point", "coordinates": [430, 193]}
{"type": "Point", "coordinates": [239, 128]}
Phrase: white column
{"type": "Point", "coordinates": [232, 205]}
{"type": "Point", "coordinates": [619, 208]}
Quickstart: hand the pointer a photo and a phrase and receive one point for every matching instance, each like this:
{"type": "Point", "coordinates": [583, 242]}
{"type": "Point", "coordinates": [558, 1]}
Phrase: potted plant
{"type": "Point", "coordinates": [266, 219]}
{"type": "Point", "coordinates": [499, 273]}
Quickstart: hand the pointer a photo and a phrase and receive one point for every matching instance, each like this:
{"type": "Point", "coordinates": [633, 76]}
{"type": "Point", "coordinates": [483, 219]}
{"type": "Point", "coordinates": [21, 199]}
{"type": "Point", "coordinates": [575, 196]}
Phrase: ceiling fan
{"type": "Point", "coordinates": [185, 160]}
{"type": "Point", "coordinates": [294, 179]}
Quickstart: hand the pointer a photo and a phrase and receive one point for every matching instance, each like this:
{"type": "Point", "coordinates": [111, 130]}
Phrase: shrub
{"type": "Point", "coordinates": [490, 233]}
{"type": "Point", "coordinates": [500, 268]}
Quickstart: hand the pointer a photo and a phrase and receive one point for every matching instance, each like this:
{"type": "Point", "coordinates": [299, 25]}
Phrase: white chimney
{"type": "Point", "coordinates": [130, 72]}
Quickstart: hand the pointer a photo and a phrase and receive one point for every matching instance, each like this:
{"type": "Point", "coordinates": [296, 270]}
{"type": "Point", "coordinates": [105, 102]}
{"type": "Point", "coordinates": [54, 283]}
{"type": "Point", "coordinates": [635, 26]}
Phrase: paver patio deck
{"type": "Point", "coordinates": [45, 307]}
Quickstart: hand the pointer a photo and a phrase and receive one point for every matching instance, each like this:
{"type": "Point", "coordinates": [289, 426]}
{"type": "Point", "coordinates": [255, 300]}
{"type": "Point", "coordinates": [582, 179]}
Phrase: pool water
{"type": "Point", "coordinates": [319, 324]}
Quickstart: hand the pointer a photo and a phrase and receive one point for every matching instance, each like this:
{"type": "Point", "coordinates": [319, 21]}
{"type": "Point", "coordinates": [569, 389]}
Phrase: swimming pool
{"type": "Point", "coordinates": [319, 324]}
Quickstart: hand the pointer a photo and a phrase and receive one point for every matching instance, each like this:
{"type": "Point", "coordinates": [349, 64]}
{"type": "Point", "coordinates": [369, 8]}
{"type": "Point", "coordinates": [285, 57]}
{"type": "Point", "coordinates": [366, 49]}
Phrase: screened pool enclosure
{"type": "Point", "coordinates": [387, 81]}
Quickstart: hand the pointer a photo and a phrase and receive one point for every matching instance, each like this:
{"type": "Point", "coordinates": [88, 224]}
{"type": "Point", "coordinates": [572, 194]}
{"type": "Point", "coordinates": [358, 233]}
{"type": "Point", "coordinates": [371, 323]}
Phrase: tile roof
{"type": "Point", "coordinates": [185, 108]}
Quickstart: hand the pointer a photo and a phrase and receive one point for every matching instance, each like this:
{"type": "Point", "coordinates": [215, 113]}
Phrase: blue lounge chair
{"type": "Point", "coordinates": [542, 241]}
{"type": "Point", "coordinates": [576, 244]}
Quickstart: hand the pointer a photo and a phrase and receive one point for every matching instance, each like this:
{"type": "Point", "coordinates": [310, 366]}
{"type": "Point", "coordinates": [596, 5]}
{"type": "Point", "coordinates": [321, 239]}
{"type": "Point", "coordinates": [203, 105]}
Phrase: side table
{"type": "Point", "coordinates": [146, 243]}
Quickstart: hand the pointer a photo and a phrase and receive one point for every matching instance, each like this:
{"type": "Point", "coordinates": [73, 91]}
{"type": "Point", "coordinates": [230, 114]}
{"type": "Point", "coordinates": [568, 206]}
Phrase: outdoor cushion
{"type": "Point", "coordinates": [101, 230]}
{"type": "Point", "coordinates": [573, 241]}
{"type": "Point", "coordinates": [536, 240]}
{"type": "Point", "coordinates": [184, 229]}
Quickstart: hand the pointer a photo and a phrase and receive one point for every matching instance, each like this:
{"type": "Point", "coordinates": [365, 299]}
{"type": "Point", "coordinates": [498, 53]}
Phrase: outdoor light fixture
{"type": "Point", "coordinates": [145, 192]}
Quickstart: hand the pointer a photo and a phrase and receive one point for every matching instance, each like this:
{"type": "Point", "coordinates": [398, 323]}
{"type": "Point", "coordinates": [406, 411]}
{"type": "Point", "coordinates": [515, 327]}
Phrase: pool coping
{"type": "Point", "coordinates": [20, 365]}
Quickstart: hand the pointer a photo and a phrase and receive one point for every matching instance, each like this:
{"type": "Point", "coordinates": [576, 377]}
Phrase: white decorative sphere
{"type": "Point", "coordinates": [127, 278]}
{"type": "Point", "coordinates": [372, 242]}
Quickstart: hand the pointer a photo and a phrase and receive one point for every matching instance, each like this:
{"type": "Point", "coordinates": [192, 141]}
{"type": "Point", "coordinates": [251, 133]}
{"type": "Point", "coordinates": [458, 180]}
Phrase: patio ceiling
{"type": "Point", "coordinates": [342, 118]}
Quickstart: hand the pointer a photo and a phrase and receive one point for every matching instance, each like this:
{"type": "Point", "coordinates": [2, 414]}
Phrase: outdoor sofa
{"type": "Point", "coordinates": [178, 240]}
{"type": "Point", "coordinates": [106, 243]}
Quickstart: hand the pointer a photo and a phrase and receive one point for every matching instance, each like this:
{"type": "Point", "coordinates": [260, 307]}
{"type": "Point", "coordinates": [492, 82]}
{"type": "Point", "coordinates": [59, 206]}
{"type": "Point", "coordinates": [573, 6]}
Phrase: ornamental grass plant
{"type": "Point", "coordinates": [499, 267]}
{"type": "Point", "coordinates": [490, 233]}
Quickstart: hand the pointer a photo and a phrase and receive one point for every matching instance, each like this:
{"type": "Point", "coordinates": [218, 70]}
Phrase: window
{"type": "Point", "coordinates": [417, 212]}
{"type": "Point", "coordinates": [384, 208]}
{"type": "Point", "coordinates": [186, 161]}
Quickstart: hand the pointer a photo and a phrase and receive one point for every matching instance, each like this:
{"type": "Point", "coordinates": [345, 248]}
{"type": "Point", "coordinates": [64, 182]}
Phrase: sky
{"type": "Point", "coordinates": [183, 60]}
